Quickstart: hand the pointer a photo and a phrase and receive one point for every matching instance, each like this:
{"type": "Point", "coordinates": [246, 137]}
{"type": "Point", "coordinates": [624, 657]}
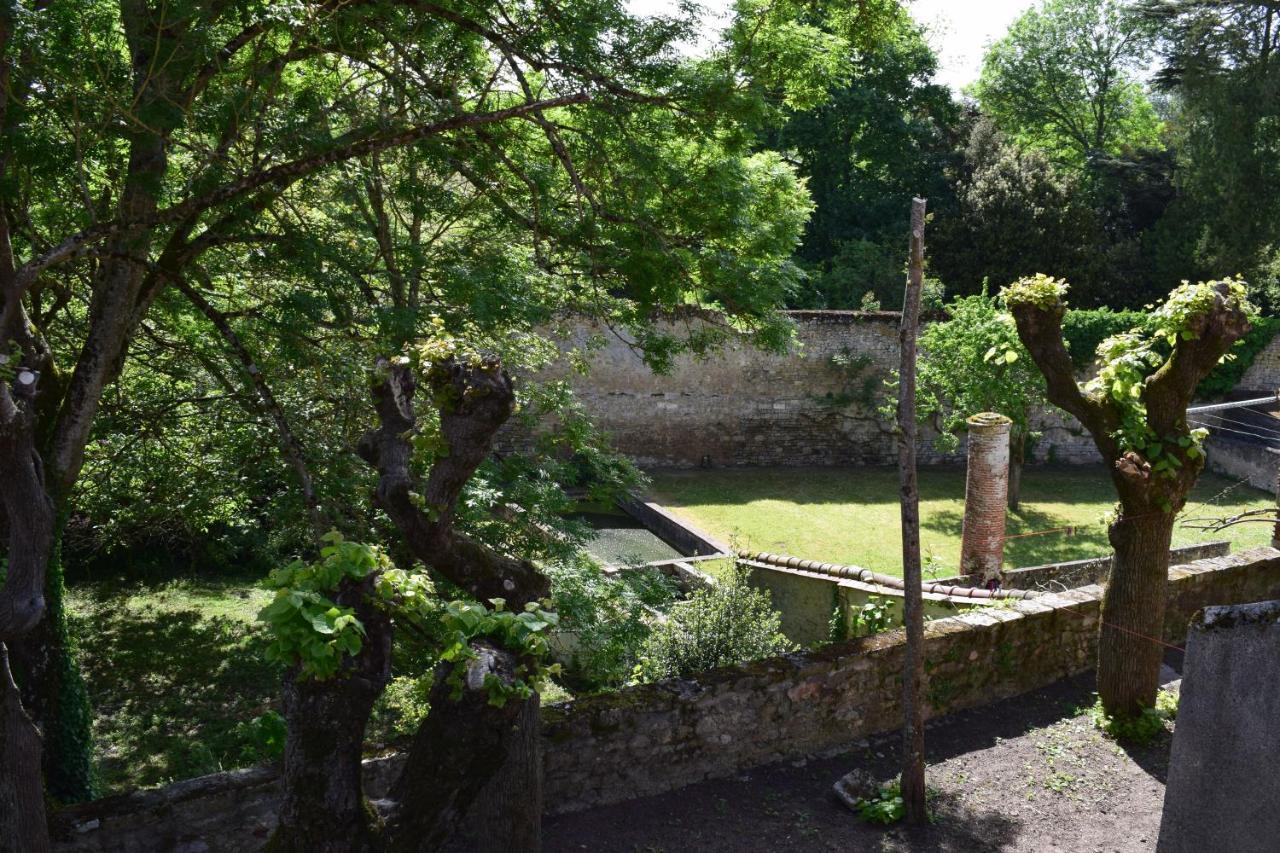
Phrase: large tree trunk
{"type": "Point", "coordinates": [1129, 650]}
{"type": "Point", "coordinates": [29, 514]}
{"type": "Point", "coordinates": [473, 780]}
{"type": "Point", "coordinates": [22, 817]}
{"type": "Point", "coordinates": [53, 690]}
{"type": "Point", "coordinates": [323, 809]}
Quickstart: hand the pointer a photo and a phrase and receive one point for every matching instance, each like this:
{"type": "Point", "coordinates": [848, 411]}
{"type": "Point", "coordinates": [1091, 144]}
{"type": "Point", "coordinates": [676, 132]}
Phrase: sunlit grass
{"type": "Point", "coordinates": [851, 515]}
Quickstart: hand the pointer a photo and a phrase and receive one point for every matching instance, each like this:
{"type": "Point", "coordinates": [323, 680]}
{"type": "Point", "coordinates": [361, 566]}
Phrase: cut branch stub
{"type": "Point", "coordinates": [474, 399]}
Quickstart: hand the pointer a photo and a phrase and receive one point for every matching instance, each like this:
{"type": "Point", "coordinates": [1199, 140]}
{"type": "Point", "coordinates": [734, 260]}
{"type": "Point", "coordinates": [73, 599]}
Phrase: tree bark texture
{"type": "Point", "coordinates": [913, 787]}
{"type": "Point", "coordinates": [22, 817]}
{"type": "Point", "coordinates": [1130, 637]}
{"type": "Point", "coordinates": [323, 809]}
{"type": "Point", "coordinates": [1129, 643]}
{"type": "Point", "coordinates": [473, 775]}
{"type": "Point", "coordinates": [473, 779]}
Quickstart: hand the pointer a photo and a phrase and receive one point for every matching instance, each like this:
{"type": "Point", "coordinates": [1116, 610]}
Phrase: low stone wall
{"type": "Point", "coordinates": [657, 737]}
{"type": "Point", "coordinates": [1243, 460]}
{"type": "Point", "coordinates": [1076, 573]}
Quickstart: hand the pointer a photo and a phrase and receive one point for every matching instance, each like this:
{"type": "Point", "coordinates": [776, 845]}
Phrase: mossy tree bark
{"type": "Point", "coordinates": [472, 779]}
{"type": "Point", "coordinates": [473, 776]}
{"type": "Point", "coordinates": [1129, 648]}
{"type": "Point", "coordinates": [323, 809]}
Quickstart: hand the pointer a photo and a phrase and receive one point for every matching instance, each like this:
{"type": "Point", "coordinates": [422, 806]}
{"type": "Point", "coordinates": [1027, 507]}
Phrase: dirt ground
{"type": "Point", "coordinates": [1026, 774]}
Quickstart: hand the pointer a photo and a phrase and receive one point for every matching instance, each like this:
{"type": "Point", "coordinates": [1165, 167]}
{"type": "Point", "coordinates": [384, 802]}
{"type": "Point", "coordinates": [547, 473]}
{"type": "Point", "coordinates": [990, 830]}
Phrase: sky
{"type": "Point", "coordinates": [959, 30]}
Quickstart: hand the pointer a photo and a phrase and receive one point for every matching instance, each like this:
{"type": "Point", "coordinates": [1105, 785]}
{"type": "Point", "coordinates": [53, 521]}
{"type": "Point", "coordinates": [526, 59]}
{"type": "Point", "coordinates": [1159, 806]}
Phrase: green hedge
{"type": "Point", "coordinates": [1084, 330]}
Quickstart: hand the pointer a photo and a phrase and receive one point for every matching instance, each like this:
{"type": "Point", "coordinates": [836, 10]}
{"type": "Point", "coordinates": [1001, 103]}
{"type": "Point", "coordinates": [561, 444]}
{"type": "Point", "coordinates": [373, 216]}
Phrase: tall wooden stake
{"type": "Point", "coordinates": [913, 795]}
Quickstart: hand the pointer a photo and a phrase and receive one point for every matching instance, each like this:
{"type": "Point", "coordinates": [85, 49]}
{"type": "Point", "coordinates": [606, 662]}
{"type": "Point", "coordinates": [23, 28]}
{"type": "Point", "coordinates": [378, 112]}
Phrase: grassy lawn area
{"type": "Point", "coordinates": [850, 515]}
{"type": "Point", "coordinates": [176, 677]}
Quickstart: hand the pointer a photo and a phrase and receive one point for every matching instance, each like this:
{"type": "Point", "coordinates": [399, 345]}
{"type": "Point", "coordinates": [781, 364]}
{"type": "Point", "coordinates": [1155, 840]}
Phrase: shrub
{"type": "Point", "coordinates": [725, 625]}
{"type": "Point", "coordinates": [603, 620]}
{"type": "Point", "coordinates": [884, 807]}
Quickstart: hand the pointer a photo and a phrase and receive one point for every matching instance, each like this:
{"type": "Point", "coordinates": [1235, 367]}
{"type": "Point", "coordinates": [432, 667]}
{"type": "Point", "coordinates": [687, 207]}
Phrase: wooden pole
{"type": "Point", "coordinates": [913, 791]}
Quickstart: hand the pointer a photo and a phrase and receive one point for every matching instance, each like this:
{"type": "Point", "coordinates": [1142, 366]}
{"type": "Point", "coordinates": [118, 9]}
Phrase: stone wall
{"type": "Point", "coordinates": [1263, 374]}
{"type": "Point", "coordinates": [1074, 573]}
{"type": "Point", "coordinates": [816, 406]}
{"type": "Point", "coordinates": [1242, 460]}
{"type": "Point", "coordinates": [657, 737]}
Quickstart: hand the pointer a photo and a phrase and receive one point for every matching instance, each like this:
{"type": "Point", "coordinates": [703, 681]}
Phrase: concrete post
{"type": "Point", "coordinates": [986, 492]}
{"type": "Point", "coordinates": [1223, 789]}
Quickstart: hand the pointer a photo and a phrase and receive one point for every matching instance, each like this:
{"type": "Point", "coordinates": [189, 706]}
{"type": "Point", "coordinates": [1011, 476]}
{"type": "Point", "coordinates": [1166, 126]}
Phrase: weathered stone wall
{"type": "Point", "coordinates": [1263, 374]}
{"type": "Point", "coordinates": [656, 737]}
{"type": "Point", "coordinates": [747, 407]}
{"type": "Point", "coordinates": [661, 736]}
{"type": "Point", "coordinates": [1242, 460]}
{"type": "Point", "coordinates": [1074, 573]}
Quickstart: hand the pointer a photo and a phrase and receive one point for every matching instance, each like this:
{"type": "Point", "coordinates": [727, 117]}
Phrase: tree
{"type": "Point", "coordinates": [1219, 64]}
{"type": "Point", "coordinates": [973, 362]}
{"type": "Point", "coordinates": [1063, 79]}
{"type": "Point", "coordinates": [1016, 214]}
{"type": "Point", "coordinates": [144, 144]}
{"type": "Point", "coordinates": [885, 135]}
{"type": "Point", "coordinates": [1136, 412]}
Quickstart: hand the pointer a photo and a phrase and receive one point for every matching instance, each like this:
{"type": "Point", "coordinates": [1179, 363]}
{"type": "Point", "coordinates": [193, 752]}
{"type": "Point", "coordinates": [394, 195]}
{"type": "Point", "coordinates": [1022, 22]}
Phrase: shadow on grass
{"type": "Point", "coordinates": [173, 690]}
{"type": "Point", "coordinates": [1050, 544]}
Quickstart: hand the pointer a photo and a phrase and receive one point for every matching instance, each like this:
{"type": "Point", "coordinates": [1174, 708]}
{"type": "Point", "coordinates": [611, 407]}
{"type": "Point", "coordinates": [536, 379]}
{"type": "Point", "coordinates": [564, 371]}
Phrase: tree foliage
{"type": "Point", "coordinates": [973, 362]}
{"type": "Point", "coordinates": [1218, 63]}
{"type": "Point", "coordinates": [1064, 80]}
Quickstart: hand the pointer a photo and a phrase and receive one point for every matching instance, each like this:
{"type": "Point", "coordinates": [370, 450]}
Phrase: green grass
{"type": "Point", "coordinates": [176, 676]}
{"type": "Point", "coordinates": [850, 515]}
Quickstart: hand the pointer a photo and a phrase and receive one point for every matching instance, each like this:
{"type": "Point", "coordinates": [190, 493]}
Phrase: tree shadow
{"type": "Point", "coordinates": [1047, 542]}
{"type": "Point", "coordinates": [174, 691]}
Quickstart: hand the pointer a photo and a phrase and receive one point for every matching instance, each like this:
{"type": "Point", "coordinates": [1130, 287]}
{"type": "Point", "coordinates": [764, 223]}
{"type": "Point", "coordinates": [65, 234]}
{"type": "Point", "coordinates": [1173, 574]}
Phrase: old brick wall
{"type": "Point", "coordinates": [657, 737]}
{"type": "Point", "coordinates": [815, 406]}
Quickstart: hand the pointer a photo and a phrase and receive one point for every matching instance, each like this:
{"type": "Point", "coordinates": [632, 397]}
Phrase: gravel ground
{"type": "Point", "coordinates": [1026, 774]}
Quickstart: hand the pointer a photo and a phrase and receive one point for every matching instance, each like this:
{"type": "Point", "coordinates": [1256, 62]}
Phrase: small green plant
{"type": "Point", "coordinates": [264, 736]}
{"type": "Point", "coordinates": [522, 633]}
{"type": "Point", "coordinates": [884, 807]}
{"type": "Point", "coordinates": [308, 629]}
{"type": "Point", "coordinates": [1141, 730]}
{"type": "Point", "coordinates": [873, 617]}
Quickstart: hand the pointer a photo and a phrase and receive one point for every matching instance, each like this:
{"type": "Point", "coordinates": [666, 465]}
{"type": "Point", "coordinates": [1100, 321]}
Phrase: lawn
{"type": "Point", "coordinates": [850, 515]}
{"type": "Point", "coordinates": [176, 677]}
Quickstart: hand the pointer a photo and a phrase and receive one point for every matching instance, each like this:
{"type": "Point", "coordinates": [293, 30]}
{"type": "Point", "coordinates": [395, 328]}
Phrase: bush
{"type": "Point", "coordinates": [603, 621]}
{"type": "Point", "coordinates": [725, 625]}
{"type": "Point", "coordinates": [1084, 330]}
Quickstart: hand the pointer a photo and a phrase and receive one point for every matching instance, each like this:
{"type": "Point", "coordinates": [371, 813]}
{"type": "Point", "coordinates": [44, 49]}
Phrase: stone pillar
{"type": "Point", "coordinates": [986, 492]}
{"type": "Point", "coordinates": [1223, 789]}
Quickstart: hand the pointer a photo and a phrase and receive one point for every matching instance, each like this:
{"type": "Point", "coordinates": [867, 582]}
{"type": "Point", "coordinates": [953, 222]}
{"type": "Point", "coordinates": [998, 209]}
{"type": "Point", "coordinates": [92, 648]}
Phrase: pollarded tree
{"type": "Point", "coordinates": [1136, 411]}
{"type": "Point", "coordinates": [141, 143]}
{"type": "Point", "coordinates": [973, 362]}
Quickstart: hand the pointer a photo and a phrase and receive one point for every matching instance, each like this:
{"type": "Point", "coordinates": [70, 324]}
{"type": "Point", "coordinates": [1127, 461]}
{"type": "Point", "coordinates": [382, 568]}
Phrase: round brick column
{"type": "Point", "coordinates": [986, 491]}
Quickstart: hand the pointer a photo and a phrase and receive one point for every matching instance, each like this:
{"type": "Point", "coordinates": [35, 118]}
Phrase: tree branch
{"type": "Point", "coordinates": [474, 401]}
